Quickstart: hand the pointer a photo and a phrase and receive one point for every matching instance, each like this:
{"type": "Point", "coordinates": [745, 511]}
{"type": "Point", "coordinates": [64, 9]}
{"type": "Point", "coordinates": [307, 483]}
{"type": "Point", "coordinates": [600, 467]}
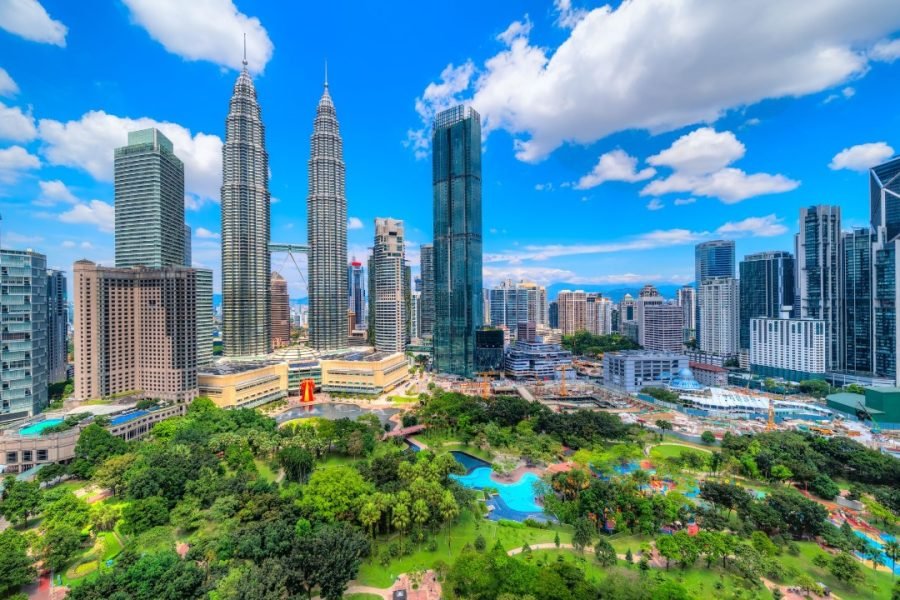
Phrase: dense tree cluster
{"type": "Point", "coordinates": [585, 343]}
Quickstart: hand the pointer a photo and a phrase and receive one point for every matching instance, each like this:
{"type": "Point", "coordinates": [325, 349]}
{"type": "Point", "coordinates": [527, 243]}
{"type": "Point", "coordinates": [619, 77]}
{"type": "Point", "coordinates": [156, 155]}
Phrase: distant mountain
{"type": "Point", "coordinates": [613, 291]}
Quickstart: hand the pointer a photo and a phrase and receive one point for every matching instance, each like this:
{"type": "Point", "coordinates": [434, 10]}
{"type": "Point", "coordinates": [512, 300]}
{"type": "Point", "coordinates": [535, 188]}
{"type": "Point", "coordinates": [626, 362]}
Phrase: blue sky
{"type": "Point", "coordinates": [616, 137]}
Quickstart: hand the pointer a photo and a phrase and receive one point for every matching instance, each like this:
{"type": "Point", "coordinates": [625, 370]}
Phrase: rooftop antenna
{"type": "Point", "coordinates": [245, 50]}
{"type": "Point", "coordinates": [326, 72]}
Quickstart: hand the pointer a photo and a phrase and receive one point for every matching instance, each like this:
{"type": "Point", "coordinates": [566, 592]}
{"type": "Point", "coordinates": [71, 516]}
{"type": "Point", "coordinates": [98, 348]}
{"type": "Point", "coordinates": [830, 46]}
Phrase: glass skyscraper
{"type": "Point", "coordinates": [711, 259]}
{"type": "Point", "coordinates": [820, 280]}
{"type": "Point", "coordinates": [57, 326]}
{"type": "Point", "coordinates": [856, 247]}
{"type": "Point", "coordinates": [767, 287]}
{"type": "Point", "coordinates": [245, 226]}
{"type": "Point", "coordinates": [885, 313]}
{"type": "Point", "coordinates": [884, 191]}
{"type": "Point", "coordinates": [326, 219]}
{"type": "Point", "coordinates": [356, 292]}
{"type": "Point", "coordinates": [23, 341]}
{"type": "Point", "coordinates": [426, 265]}
{"type": "Point", "coordinates": [149, 198]}
{"type": "Point", "coordinates": [456, 177]}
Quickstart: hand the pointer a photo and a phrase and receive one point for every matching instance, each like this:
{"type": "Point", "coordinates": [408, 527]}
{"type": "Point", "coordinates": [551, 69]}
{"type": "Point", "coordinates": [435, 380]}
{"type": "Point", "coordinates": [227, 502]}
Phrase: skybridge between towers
{"type": "Point", "coordinates": [291, 250]}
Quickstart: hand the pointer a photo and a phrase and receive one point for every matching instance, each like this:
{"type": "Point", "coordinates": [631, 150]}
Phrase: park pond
{"type": "Point", "coordinates": [515, 501]}
{"type": "Point", "coordinates": [333, 411]}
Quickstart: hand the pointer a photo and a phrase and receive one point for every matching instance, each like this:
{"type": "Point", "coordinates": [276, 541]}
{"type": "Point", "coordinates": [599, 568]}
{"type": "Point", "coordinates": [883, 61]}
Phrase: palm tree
{"type": "Point", "coordinates": [369, 515]}
{"type": "Point", "coordinates": [892, 549]}
{"type": "Point", "coordinates": [449, 510]}
{"type": "Point", "coordinates": [400, 518]}
{"type": "Point", "coordinates": [420, 512]}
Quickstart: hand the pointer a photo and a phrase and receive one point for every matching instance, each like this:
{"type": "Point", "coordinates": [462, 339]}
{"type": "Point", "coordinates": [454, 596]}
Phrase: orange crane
{"type": "Point", "coordinates": [484, 385]}
{"type": "Point", "coordinates": [770, 424]}
{"type": "Point", "coordinates": [562, 381]}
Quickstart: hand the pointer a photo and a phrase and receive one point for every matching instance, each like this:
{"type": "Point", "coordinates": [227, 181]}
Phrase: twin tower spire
{"type": "Point", "coordinates": [246, 228]}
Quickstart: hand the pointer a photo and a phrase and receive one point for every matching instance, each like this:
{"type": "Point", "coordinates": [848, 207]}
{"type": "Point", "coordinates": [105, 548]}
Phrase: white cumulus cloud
{"type": "Point", "coordinates": [617, 165]}
{"type": "Point", "coordinates": [29, 20]}
{"type": "Point", "coordinates": [14, 161]}
{"type": "Point", "coordinates": [767, 226]}
{"type": "Point", "coordinates": [655, 204]}
{"type": "Point", "coordinates": [886, 50]}
{"type": "Point", "coordinates": [618, 66]}
{"type": "Point", "coordinates": [16, 125]}
{"type": "Point", "coordinates": [684, 201]}
{"type": "Point", "coordinates": [8, 87]}
{"type": "Point", "coordinates": [354, 223]}
{"type": "Point", "coordinates": [88, 144]}
{"type": "Point", "coordinates": [861, 157]}
{"type": "Point", "coordinates": [700, 160]}
{"type": "Point", "coordinates": [54, 191]}
{"type": "Point", "coordinates": [699, 152]}
{"type": "Point", "coordinates": [205, 234]}
{"type": "Point", "coordinates": [210, 30]}
{"type": "Point", "coordinates": [94, 212]}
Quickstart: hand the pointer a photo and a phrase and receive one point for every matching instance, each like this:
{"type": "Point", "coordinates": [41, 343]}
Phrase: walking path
{"type": "Point", "coordinates": [427, 588]}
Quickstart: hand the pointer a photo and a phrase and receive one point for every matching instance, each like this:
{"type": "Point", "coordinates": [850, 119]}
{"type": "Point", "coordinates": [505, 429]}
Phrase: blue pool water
{"type": "Point", "coordinates": [468, 461]}
{"type": "Point", "coordinates": [518, 496]}
{"type": "Point", "coordinates": [37, 428]}
{"type": "Point", "coordinates": [128, 417]}
{"type": "Point", "coordinates": [884, 557]}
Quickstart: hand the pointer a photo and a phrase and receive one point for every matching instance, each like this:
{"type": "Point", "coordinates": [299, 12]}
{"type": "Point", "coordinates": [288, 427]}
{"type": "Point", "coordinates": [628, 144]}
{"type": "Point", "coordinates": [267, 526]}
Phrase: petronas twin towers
{"type": "Point", "coordinates": [246, 296]}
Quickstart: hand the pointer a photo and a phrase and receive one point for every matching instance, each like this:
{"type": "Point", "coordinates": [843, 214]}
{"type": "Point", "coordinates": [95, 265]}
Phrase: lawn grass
{"type": "Point", "coordinates": [362, 597]}
{"type": "Point", "coordinates": [404, 399]}
{"type": "Point", "coordinates": [593, 572]}
{"type": "Point", "coordinates": [673, 451]}
{"type": "Point", "coordinates": [875, 585]}
{"type": "Point", "coordinates": [71, 485]}
{"type": "Point", "coordinates": [463, 532]}
{"type": "Point", "coordinates": [265, 471]}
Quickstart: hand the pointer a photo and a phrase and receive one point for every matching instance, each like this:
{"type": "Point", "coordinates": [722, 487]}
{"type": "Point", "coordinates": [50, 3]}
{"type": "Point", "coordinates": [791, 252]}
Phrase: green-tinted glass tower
{"type": "Point", "coordinates": [149, 182]}
{"type": "Point", "coordinates": [767, 288]}
{"type": "Point", "coordinates": [456, 178]}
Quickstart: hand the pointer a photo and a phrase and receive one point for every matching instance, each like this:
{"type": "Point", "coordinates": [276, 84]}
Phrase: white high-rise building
{"type": "Point", "coordinates": [648, 296]}
{"type": "Point", "coordinates": [571, 311]}
{"type": "Point", "coordinates": [598, 314]}
{"type": "Point", "coordinates": [509, 304]}
{"type": "Point", "coordinates": [415, 316]}
{"type": "Point", "coordinates": [793, 349]}
{"type": "Point", "coordinates": [687, 300]}
{"type": "Point", "coordinates": [663, 327]}
{"type": "Point", "coordinates": [388, 261]}
{"type": "Point", "coordinates": [719, 300]}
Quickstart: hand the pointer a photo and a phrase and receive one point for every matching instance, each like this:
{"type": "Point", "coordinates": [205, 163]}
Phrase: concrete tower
{"type": "Point", "coordinates": [326, 214]}
{"type": "Point", "coordinates": [245, 226]}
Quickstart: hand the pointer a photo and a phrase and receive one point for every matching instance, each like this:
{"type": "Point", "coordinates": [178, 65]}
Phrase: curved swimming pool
{"type": "Point", "coordinates": [37, 428]}
{"type": "Point", "coordinates": [518, 496]}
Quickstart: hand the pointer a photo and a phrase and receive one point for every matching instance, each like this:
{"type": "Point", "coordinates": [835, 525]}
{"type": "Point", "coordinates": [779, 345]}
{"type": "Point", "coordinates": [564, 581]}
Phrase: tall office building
{"type": "Point", "coordinates": [819, 275]}
{"type": "Point", "coordinates": [204, 314]}
{"type": "Point", "coordinates": [57, 326]}
{"type": "Point", "coordinates": [571, 306]}
{"type": "Point", "coordinates": [135, 332]}
{"type": "Point", "coordinates": [598, 314]}
{"type": "Point", "coordinates": [513, 303]}
{"type": "Point", "coordinates": [356, 293]}
{"type": "Point", "coordinates": [856, 251]}
{"type": "Point", "coordinates": [884, 184]}
{"type": "Point", "coordinates": [663, 327]}
{"type": "Point", "coordinates": [648, 296]}
{"type": "Point", "coordinates": [23, 321]}
{"type": "Point", "coordinates": [712, 259]}
{"type": "Point", "coordinates": [719, 300]}
{"type": "Point", "coordinates": [388, 262]}
{"type": "Point", "coordinates": [188, 248]}
{"type": "Point", "coordinates": [415, 315]}
{"type": "Point", "coordinates": [767, 287]}
{"type": "Point", "coordinates": [149, 199]}
{"type": "Point", "coordinates": [407, 299]}
{"type": "Point", "coordinates": [326, 219]}
{"type": "Point", "coordinates": [553, 314]}
{"type": "Point", "coordinates": [456, 176]}
{"type": "Point", "coordinates": [245, 226]}
{"type": "Point", "coordinates": [426, 266]}
{"type": "Point", "coordinates": [281, 312]}
{"type": "Point", "coordinates": [687, 300]}
{"type": "Point", "coordinates": [884, 198]}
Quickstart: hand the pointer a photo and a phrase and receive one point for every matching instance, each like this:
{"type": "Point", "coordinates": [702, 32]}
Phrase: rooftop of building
{"type": "Point", "coordinates": [368, 356]}
{"type": "Point", "coordinates": [695, 366]}
{"type": "Point", "coordinates": [852, 401]}
{"type": "Point", "coordinates": [227, 367]}
{"type": "Point", "coordinates": [647, 354]}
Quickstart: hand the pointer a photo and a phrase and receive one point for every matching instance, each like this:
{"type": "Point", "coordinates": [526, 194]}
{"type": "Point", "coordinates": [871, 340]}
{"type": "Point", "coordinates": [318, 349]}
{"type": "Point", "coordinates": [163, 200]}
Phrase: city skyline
{"type": "Point", "coordinates": [67, 161]}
